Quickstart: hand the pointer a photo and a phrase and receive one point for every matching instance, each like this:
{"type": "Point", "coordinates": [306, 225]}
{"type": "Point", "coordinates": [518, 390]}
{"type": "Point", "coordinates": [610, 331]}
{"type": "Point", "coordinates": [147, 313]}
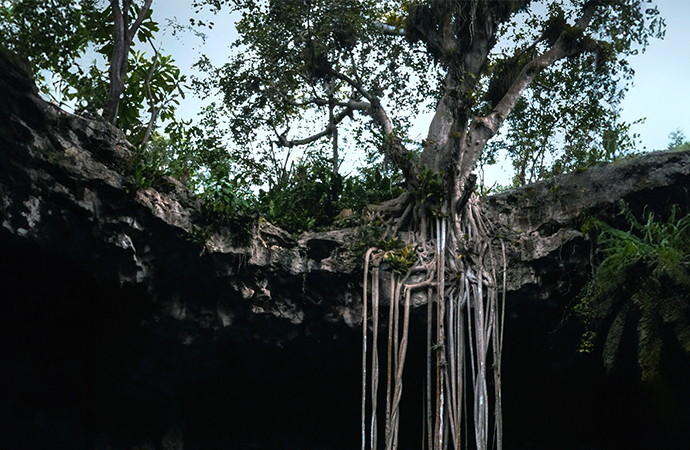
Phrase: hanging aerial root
{"type": "Point", "coordinates": [374, 357]}
{"type": "Point", "coordinates": [364, 346]}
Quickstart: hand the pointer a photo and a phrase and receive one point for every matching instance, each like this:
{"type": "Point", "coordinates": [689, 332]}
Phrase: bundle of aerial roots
{"type": "Point", "coordinates": [464, 333]}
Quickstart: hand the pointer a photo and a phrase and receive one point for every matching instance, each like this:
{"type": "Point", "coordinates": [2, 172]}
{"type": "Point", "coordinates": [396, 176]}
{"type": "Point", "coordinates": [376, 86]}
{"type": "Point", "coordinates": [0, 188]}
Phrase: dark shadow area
{"type": "Point", "coordinates": [556, 397]}
{"type": "Point", "coordinates": [87, 365]}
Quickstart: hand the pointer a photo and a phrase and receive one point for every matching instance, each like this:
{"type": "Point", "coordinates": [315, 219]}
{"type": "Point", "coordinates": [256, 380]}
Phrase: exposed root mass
{"type": "Point", "coordinates": [455, 270]}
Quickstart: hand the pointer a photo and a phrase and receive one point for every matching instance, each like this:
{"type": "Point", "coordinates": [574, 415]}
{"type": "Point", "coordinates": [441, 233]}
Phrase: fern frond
{"type": "Point", "coordinates": [683, 335]}
{"type": "Point", "coordinates": [649, 344]}
{"type": "Point", "coordinates": [646, 268]}
{"type": "Point", "coordinates": [613, 338]}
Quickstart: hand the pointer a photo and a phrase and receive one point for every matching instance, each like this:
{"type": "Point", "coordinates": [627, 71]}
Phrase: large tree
{"type": "Point", "coordinates": [304, 69]}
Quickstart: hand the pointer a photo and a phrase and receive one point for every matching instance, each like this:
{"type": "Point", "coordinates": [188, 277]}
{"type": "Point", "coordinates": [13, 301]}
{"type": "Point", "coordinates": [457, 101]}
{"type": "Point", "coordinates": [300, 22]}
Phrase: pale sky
{"type": "Point", "coordinates": [661, 89]}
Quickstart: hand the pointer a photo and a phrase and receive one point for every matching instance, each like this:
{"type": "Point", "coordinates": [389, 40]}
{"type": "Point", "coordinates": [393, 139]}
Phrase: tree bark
{"type": "Point", "coordinates": [122, 42]}
{"type": "Point", "coordinates": [456, 140]}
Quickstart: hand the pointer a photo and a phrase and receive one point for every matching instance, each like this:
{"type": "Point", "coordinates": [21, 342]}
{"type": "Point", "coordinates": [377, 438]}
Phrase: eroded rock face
{"type": "Point", "coordinates": [125, 328]}
{"type": "Point", "coordinates": [65, 186]}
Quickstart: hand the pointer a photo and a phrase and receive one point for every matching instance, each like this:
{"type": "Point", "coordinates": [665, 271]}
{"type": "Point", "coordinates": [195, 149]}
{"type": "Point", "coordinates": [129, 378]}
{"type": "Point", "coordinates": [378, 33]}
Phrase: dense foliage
{"type": "Point", "coordinates": [53, 35]}
{"type": "Point", "coordinates": [644, 277]}
{"type": "Point", "coordinates": [304, 72]}
{"type": "Point", "coordinates": [70, 44]}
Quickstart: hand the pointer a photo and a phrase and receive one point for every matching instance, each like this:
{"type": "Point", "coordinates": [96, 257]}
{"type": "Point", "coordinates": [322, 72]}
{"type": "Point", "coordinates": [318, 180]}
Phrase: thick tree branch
{"type": "Point", "coordinates": [393, 147]}
{"type": "Point", "coordinates": [483, 128]}
{"type": "Point", "coordinates": [390, 30]}
{"type": "Point", "coordinates": [284, 142]}
{"type": "Point", "coordinates": [355, 84]}
{"type": "Point", "coordinates": [354, 105]}
{"type": "Point", "coordinates": [376, 110]}
{"type": "Point", "coordinates": [558, 51]}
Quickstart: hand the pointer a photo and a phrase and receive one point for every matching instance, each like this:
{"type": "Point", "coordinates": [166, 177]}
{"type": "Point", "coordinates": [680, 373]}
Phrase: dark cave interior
{"type": "Point", "coordinates": [88, 365]}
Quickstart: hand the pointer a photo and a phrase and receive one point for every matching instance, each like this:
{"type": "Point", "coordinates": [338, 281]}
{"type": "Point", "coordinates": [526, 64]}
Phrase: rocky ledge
{"type": "Point", "coordinates": [124, 327]}
{"type": "Point", "coordinates": [66, 187]}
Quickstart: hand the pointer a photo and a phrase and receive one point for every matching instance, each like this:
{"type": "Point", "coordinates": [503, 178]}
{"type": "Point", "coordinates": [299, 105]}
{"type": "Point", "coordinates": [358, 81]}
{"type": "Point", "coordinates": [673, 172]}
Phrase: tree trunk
{"type": "Point", "coordinates": [122, 42]}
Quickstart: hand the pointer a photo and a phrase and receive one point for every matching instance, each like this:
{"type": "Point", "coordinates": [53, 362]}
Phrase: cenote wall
{"type": "Point", "coordinates": [90, 365]}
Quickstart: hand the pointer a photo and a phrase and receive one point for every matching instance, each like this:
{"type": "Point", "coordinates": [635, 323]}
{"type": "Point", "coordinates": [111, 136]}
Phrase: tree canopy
{"type": "Point", "coordinates": [552, 75]}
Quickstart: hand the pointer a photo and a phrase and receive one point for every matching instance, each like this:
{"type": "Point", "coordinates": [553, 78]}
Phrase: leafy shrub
{"type": "Point", "coordinates": [305, 200]}
{"type": "Point", "coordinates": [678, 141]}
{"type": "Point", "coordinates": [372, 185]}
{"type": "Point", "coordinates": [645, 275]}
{"type": "Point", "coordinates": [149, 165]}
{"type": "Point", "coordinates": [401, 259]}
{"type": "Point", "coordinates": [232, 203]}
{"type": "Point", "coordinates": [311, 196]}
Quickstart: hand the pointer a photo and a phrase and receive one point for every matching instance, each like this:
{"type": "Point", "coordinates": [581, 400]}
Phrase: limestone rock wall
{"type": "Point", "coordinates": [122, 328]}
